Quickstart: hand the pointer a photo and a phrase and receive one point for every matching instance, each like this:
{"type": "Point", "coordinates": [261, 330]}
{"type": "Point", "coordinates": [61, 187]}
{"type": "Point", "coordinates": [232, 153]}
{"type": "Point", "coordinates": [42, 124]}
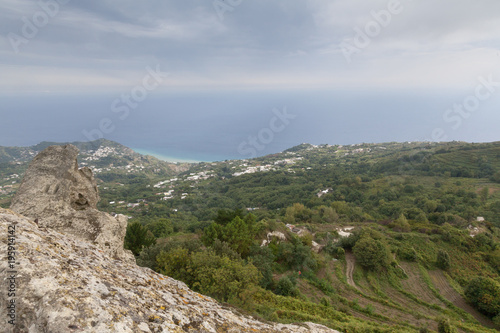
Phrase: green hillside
{"type": "Point", "coordinates": [110, 161]}
{"type": "Point", "coordinates": [391, 237]}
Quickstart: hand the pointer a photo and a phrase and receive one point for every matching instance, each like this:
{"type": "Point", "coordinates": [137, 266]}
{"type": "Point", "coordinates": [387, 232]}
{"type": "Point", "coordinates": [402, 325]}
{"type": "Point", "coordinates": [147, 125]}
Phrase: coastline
{"type": "Point", "coordinates": [169, 158]}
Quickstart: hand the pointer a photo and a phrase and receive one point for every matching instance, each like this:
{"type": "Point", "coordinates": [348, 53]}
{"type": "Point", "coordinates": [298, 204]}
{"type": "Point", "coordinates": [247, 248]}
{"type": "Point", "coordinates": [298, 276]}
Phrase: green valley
{"type": "Point", "coordinates": [390, 237]}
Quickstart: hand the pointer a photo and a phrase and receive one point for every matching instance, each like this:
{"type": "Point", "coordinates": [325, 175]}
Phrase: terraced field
{"type": "Point", "coordinates": [409, 302]}
{"type": "Point", "coordinates": [441, 284]}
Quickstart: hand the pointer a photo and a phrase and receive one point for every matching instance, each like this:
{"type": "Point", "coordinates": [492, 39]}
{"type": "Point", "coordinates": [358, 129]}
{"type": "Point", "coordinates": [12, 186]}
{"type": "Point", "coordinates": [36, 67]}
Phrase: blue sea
{"type": "Point", "coordinates": [220, 125]}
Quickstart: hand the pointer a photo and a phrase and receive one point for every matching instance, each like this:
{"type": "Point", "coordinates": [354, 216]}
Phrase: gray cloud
{"type": "Point", "coordinates": [282, 43]}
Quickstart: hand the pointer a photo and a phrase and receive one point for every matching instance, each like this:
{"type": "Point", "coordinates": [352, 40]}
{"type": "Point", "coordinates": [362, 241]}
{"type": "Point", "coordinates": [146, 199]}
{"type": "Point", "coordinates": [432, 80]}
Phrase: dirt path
{"type": "Point", "coordinates": [444, 288]}
{"type": "Point", "coordinates": [351, 261]}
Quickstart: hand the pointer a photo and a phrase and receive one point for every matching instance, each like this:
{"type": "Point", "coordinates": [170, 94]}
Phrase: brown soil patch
{"type": "Point", "coordinates": [491, 190]}
{"type": "Point", "coordinates": [416, 285]}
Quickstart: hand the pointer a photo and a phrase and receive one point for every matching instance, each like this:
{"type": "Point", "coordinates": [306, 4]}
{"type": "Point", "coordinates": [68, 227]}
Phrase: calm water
{"type": "Point", "coordinates": [225, 125]}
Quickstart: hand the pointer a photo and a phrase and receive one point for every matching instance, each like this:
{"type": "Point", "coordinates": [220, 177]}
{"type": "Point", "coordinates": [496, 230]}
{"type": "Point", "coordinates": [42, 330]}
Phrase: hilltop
{"type": "Point", "coordinates": [109, 160]}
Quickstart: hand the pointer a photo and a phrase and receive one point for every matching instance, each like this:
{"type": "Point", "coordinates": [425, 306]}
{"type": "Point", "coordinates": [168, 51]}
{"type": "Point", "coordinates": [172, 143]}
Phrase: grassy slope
{"type": "Point", "coordinates": [401, 299]}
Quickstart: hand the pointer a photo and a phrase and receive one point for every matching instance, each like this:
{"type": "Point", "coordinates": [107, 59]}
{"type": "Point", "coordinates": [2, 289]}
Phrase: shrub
{"type": "Point", "coordinates": [176, 264]}
{"type": "Point", "coordinates": [161, 227]}
{"type": "Point", "coordinates": [400, 224]}
{"type": "Point", "coordinates": [407, 254]}
{"type": "Point", "coordinates": [371, 253]}
{"type": "Point", "coordinates": [443, 260]}
{"type": "Point", "coordinates": [220, 277]}
{"type": "Point", "coordinates": [444, 326]}
{"type": "Point", "coordinates": [286, 287]}
{"type": "Point", "coordinates": [238, 234]}
{"type": "Point", "coordinates": [307, 239]}
{"type": "Point", "coordinates": [494, 260]}
{"type": "Point", "coordinates": [295, 255]}
{"type": "Point", "coordinates": [350, 241]}
{"type": "Point", "coordinates": [263, 258]}
{"type": "Point", "coordinates": [138, 237]}
{"type": "Point", "coordinates": [484, 294]}
{"type": "Point", "coordinates": [147, 257]}
{"type": "Point", "coordinates": [222, 249]}
{"type": "Point", "coordinates": [338, 252]}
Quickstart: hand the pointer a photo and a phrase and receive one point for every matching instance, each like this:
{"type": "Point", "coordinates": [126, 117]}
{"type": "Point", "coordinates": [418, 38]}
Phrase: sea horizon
{"type": "Point", "coordinates": [185, 156]}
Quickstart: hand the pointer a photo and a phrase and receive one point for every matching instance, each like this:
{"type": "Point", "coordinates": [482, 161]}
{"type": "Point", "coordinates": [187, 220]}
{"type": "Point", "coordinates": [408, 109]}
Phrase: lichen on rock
{"type": "Point", "coordinates": [66, 285]}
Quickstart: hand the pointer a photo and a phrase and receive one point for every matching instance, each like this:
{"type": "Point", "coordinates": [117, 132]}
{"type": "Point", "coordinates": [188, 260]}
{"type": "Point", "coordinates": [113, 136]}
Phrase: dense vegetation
{"type": "Point", "coordinates": [380, 238]}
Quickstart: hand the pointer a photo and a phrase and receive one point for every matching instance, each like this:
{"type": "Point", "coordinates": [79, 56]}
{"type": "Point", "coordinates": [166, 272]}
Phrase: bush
{"type": "Point", "coordinates": [161, 227]}
{"type": "Point", "coordinates": [238, 234]}
{"type": "Point", "coordinates": [222, 249]}
{"type": "Point", "coordinates": [443, 260]}
{"type": "Point", "coordinates": [295, 255]}
{"type": "Point", "coordinates": [220, 277]}
{"type": "Point", "coordinates": [286, 287]}
{"type": "Point", "coordinates": [407, 254]}
{"type": "Point", "coordinates": [494, 260]}
{"type": "Point", "coordinates": [307, 239]}
{"type": "Point", "coordinates": [444, 326]}
{"type": "Point", "coordinates": [371, 253]}
{"type": "Point", "coordinates": [338, 252]}
{"type": "Point", "coordinates": [138, 237]}
{"type": "Point", "coordinates": [484, 294]}
{"type": "Point", "coordinates": [400, 224]}
{"type": "Point", "coordinates": [334, 249]}
{"type": "Point", "coordinates": [147, 257]}
{"type": "Point", "coordinates": [263, 258]}
{"type": "Point", "coordinates": [350, 241]}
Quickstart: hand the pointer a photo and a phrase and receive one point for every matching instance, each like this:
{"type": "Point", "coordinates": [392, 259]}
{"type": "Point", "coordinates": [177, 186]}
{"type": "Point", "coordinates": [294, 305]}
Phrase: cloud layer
{"type": "Point", "coordinates": [282, 44]}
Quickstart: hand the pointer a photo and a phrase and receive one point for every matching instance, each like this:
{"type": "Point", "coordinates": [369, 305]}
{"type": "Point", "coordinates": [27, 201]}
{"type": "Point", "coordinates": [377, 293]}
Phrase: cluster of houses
{"type": "Point", "coordinates": [129, 168]}
{"type": "Point", "coordinates": [203, 175]}
{"type": "Point", "coordinates": [103, 152]}
{"type": "Point", "coordinates": [163, 183]}
{"type": "Point", "coordinates": [166, 195]}
{"type": "Point", "coordinates": [13, 176]}
{"type": "Point", "coordinates": [6, 189]}
{"type": "Point", "coordinates": [265, 168]}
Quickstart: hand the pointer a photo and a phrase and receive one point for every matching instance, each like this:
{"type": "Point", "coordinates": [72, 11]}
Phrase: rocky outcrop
{"type": "Point", "coordinates": [63, 284]}
{"type": "Point", "coordinates": [64, 198]}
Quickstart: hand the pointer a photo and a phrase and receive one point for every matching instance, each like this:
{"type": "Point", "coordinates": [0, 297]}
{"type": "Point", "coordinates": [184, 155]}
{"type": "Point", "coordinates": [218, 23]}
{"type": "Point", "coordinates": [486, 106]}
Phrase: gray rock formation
{"type": "Point", "coordinates": [64, 285]}
{"type": "Point", "coordinates": [64, 198]}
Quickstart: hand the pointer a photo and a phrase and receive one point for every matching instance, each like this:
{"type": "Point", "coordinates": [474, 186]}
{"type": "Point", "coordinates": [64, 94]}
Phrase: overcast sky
{"type": "Point", "coordinates": [255, 43]}
{"type": "Point", "coordinates": [439, 51]}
